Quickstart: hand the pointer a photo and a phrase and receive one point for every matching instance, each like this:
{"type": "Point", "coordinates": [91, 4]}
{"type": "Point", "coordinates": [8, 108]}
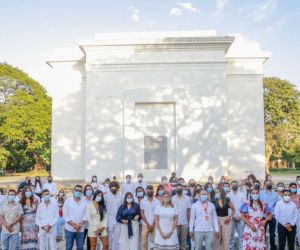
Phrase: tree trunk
{"type": "Point", "coordinates": [38, 166]}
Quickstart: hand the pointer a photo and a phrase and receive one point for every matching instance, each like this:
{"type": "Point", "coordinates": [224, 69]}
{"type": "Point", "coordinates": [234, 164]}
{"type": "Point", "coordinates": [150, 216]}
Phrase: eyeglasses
{"type": "Point", "coordinates": [78, 190]}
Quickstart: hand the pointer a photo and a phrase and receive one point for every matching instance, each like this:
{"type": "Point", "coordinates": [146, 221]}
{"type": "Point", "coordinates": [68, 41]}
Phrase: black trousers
{"type": "Point", "coordinates": [284, 234]}
{"type": "Point", "coordinates": [272, 229]}
{"type": "Point", "coordinates": [88, 245]}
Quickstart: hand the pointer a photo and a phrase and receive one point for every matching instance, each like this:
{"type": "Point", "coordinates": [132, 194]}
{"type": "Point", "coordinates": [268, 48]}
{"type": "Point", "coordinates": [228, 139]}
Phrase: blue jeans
{"type": "Point", "coordinates": [207, 237]}
{"type": "Point", "coordinates": [5, 238]}
{"type": "Point", "coordinates": [71, 236]}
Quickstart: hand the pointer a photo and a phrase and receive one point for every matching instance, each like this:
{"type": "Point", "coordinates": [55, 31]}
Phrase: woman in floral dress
{"type": "Point", "coordinates": [29, 230]}
{"type": "Point", "coordinates": [255, 214]}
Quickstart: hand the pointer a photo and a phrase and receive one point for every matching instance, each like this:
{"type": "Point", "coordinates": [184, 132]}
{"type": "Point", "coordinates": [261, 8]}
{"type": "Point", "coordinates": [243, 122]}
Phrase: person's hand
{"type": "Point", "coordinates": [192, 236]}
{"type": "Point", "coordinates": [163, 235]}
{"type": "Point", "coordinates": [227, 220]}
{"type": "Point", "coordinates": [168, 235]}
{"type": "Point", "coordinates": [77, 227]}
{"type": "Point", "coordinates": [264, 222]}
{"type": "Point", "coordinates": [217, 235]}
{"type": "Point", "coordinates": [288, 227]}
{"type": "Point", "coordinates": [125, 221]}
{"type": "Point", "coordinates": [136, 218]}
{"type": "Point", "coordinates": [253, 228]}
{"type": "Point", "coordinates": [150, 228]}
{"type": "Point", "coordinates": [9, 227]}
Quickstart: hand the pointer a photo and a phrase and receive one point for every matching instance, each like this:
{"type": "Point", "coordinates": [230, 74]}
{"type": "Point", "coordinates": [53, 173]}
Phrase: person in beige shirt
{"type": "Point", "coordinates": [96, 215]}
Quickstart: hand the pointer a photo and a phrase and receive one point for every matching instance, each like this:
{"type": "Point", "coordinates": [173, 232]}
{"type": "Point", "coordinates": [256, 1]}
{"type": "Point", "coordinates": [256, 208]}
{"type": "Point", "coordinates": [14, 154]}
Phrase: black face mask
{"type": "Point", "coordinates": [50, 181]}
{"type": "Point", "coordinates": [235, 188]}
{"type": "Point", "coordinates": [114, 191]}
{"type": "Point", "coordinates": [269, 186]}
{"type": "Point", "coordinates": [150, 194]}
{"type": "Point", "coordinates": [179, 191]}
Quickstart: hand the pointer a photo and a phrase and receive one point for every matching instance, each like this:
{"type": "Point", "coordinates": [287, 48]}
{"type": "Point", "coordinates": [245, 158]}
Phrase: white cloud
{"type": "Point", "coordinates": [188, 6]}
{"type": "Point", "coordinates": [221, 4]}
{"type": "Point", "coordinates": [175, 12]}
{"type": "Point", "coordinates": [134, 13]}
{"type": "Point", "coordinates": [262, 10]}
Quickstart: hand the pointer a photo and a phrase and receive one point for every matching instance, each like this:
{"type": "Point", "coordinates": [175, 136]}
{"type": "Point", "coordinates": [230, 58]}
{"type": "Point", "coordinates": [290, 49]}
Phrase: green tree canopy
{"type": "Point", "coordinates": [282, 120]}
{"type": "Point", "coordinates": [25, 121]}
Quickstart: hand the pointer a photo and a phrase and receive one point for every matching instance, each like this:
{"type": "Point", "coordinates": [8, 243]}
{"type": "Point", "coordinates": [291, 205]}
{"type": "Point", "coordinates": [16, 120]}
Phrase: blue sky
{"type": "Point", "coordinates": [31, 29]}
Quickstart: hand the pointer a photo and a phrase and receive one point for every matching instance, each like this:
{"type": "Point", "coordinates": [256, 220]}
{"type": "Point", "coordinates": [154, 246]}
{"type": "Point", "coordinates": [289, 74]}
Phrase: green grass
{"type": "Point", "coordinates": [285, 172]}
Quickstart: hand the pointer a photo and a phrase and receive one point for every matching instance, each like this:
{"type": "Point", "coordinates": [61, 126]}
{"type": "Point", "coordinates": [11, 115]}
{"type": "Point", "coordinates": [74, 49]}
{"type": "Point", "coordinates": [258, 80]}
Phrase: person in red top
{"type": "Point", "coordinates": [167, 186]}
{"type": "Point", "coordinates": [60, 223]}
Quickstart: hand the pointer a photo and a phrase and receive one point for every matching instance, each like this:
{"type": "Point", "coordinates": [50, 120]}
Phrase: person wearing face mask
{"type": "Point", "coordinates": [94, 182]}
{"type": "Point", "coordinates": [113, 200]}
{"type": "Point", "coordinates": [173, 179]}
{"type": "Point", "coordinates": [128, 186]}
{"type": "Point", "coordinates": [183, 205]}
{"type": "Point", "coordinates": [140, 182]}
{"type": "Point", "coordinates": [203, 224]}
{"type": "Point", "coordinates": [29, 229]}
{"type": "Point", "coordinates": [196, 195]}
{"type": "Point", "coordinates": [298, 184]}
{"type": "Point", "coordinates": [10, 217]}
{"type": "Point", "coordinates": [148, 206]}
{"type": "Point", "coordinates": [26, 182]}
{"type": "Point", "coordinates": [223, 205]}
{"type": "Point", "coordinates": [210, 191]}
{"type": "Point", "coordinates": [167, 186]}
{"type": "Point", "coordinates": [255, 214]}
{"type": "Point", "coordinates": [296, 199]}
{"type": "Point", "coordinates": [166, 217]}
{"type": "Point", "coordinates": [191, 186]}
{"type": "Point", "coordinates": [226, 187]}
{"type": "Point", "coordinates": [139, 194]}
{"type": "Point", "coordinates": [38, 187]}
{"type": "Point", "coordinates": [128, 216]}
{"type": "Point", "coordinates": [159, 192]}
{"type": "Point", "coordinates": [46, 219]}
{"type": "Point", "coordinates": [270, 197]}
{"type": "Point", "coordinates": [88, 197]}
{"type": "Point", "coordinates": [237, 198]}
{"type": "Point", "coordinates": [51, 186]}
{"type": "Point", "coordinates": [286, 215]}
{"type": "Point", "coordinates": [96, 215]}
{"type": "Point", "coordinates": [61, 222]}
{"type": "Point", "coordinates": [74, 215]}
{"type": "Point", "coordinates": [105, 186]}
{"type": "Point", "coordinates": [211, 181]}
{"type": "Point", "coordinates": [280, 188]}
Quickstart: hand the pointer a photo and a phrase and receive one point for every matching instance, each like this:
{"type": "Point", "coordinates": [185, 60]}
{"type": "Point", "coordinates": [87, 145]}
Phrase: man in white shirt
{"type": "Point", "coordinates": [286, 215]}
{"type": "Point", "coordinates": [183, 204]}
{"type": "Point", "coordinates": [51, 186]}
{"type": "Point", "coordinates": [203, 222]}
{"type": "Point", "coordinates": [113, 201]}
{"type": "Point", "coordinates": [74, 215]}
{"type": "Point", "coordinates": [140, 182]}
{"type": "Point", "coordinates": [148, 206]}
{"type": "Point", "coordinates": [46, 218]}
{"type": "Point", "coordinates": [128, 186]}
{"type": "Point", "coordinates": [237, 198]}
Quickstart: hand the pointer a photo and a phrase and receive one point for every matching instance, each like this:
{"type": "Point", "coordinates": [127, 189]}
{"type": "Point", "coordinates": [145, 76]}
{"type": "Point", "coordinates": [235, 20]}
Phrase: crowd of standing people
{"type": "Point", "coordinates": [175, 214]}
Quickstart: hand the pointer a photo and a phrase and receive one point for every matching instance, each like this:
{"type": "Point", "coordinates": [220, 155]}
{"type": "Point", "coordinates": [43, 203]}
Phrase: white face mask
{"type": "Point", "coordinates": [165, 181]}
{"type": "Point", "coordinates": [140, 179]}
{"type": "Point", "coordinates": [298, 182]}
{"type": "Point", "coordinates": [280, 189]}
{"type": "Point", "coordinates": [128, 180]}
{"type": "Point", "coordinates": [286, 198]}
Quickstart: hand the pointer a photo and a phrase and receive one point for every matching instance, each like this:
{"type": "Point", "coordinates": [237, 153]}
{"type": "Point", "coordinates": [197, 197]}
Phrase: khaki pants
{"type": "Point", "coordinates": [182, 232]}
{"type": "Point", "coordinates": [145, 237]}
{"type": "Point", "coordinates": [225, 230]}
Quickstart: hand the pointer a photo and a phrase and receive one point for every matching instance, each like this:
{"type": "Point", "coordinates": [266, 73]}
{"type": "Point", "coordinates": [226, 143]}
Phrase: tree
{"type": "Point", "coordinates": [282, 120]}
{"type": "Point", "coordinates": [25, 121]}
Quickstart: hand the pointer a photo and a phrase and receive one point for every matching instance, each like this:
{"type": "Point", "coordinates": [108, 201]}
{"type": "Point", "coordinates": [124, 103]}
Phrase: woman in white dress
{"type": "Point", "coordinates": [166, 217]}
{"type": "Point", "coordinates": [96, 216]}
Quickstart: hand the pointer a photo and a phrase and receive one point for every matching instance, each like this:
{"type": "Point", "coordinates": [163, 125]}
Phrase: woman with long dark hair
{"type": "Point", "coordinates": [38, 187]}
{"type": "Point", "coordinates": [255, 214]}
{"type": "Point", "coordinates": [222, 205]}
{"type": "Point", "coordinates": [29, 229]}
{"type": "Point", "coordinates": [96, 216]}
{"type": "Point", "coordinates": [210, 191]}
{"type": "Point", "coordinates": [128, 216]}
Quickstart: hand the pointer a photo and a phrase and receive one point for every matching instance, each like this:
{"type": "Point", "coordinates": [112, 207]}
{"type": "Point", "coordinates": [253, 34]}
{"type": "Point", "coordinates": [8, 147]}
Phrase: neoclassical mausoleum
{"type": "Point", "coordinates": [158, 102]}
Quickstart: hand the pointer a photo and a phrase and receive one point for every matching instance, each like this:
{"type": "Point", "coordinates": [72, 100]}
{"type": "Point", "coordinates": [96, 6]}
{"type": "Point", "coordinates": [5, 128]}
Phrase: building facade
{"type": "Point", "coordinates": [189, 102]}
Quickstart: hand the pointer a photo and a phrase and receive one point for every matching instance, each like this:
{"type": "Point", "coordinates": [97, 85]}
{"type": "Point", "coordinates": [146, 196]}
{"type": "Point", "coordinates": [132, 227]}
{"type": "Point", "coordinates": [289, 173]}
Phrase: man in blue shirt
{"type": "Point", "coordinates": [270, 197]}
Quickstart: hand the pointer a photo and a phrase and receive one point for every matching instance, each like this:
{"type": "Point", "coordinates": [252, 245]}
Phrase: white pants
{"type": "Point", "coordinates": [47, 240]}
{"type": "Point", "coordinates": [114, 236]}
{"type": "Point", "coordinates": [133, 242]}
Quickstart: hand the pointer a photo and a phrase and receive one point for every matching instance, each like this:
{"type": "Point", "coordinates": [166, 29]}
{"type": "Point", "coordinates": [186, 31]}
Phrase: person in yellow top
{"type": "Point", "coordinates": [96, 215]}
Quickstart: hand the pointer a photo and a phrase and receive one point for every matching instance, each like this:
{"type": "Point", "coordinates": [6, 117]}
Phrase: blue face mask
{"type": "Point", "coordinates": [209, 189]}
{"type": "Point", "coordinates": [226, 189]}
{"type": "Point", "coordinates": [77, 194]}
{"type": "Point", "coordinates": [160, 192]}
{"type": "Point", "coordinates": [11, 198]}
{"type": "Point", "coordinates": [255, 197]}
{"type": "Point", "coordinates": [89, 192]}
{"type": "Point", "coordinates": [293, 190]}
{"type": "Point", "coordinates": [98, 198]}
{"type": "Point", "coordinates": [28, 194]}
{"type": "Point", "coordinates": [140, 194]}
{"type": "Point", "coordinates": [47, 197]}
{"type": "Point", "coordinates": [203, 197]}
{"type": "Point", "coordinates": [217, 196]}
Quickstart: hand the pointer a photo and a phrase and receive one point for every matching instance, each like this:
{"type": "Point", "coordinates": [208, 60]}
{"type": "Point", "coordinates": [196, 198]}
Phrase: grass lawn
{"type": "Point", "coordinates": [281, 172]}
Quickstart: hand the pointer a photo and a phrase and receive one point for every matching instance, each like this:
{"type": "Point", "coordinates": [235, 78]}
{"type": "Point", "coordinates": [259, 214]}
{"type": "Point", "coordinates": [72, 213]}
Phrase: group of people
{"type": "Point", "coordinates": [172, 215]}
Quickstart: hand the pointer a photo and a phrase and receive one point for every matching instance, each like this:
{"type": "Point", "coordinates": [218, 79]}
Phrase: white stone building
{"type": "Point", "coordinates": [189, 102]}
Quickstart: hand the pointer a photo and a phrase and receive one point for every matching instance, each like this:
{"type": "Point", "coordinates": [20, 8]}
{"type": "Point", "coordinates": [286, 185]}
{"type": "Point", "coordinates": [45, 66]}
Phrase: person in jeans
{"type": "Point", "coordinates": [183, 204]}
{"type": "Point", "coordinates": [74, 215]}
{"type": "Point", "coordinates": [46, 219]}
{"type": "Point", "coordinates": [286, 215]}
{"type": "Point", "coordinates": [10, 216]}
{"type": "Point", "coordinates": [270, 197]}
{"type": "Point", "coordinates": [203, 222]}
{"type": "Point", "coordinates": [237, 198]}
